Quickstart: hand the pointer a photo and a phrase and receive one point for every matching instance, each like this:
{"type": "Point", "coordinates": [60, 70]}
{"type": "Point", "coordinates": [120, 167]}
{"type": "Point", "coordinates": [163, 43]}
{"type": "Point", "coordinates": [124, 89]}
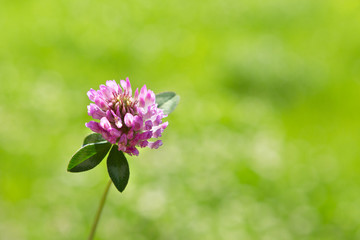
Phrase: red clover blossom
{"type": "Point", "coordinates": [127, 120]}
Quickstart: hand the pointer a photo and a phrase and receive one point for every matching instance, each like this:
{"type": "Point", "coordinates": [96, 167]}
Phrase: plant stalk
{"type": "Point", "coordinates": [98, 213]}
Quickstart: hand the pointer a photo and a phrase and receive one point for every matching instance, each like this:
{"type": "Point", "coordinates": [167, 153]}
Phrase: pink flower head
{"type": "Point", "coordinates": [127, 120]}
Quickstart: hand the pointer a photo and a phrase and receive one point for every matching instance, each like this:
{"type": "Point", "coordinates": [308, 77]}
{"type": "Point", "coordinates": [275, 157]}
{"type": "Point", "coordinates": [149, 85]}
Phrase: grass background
{"type": "Point", "coordinates": [264, 144]}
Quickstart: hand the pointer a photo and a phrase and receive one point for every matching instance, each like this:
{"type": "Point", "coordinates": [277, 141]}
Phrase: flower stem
{"type": "Point", "coordinates": [98, 213]}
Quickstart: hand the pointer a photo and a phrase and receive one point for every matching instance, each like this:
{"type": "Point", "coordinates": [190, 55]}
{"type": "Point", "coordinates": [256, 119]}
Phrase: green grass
{"type": "Point", "coordinates": [263, 145]}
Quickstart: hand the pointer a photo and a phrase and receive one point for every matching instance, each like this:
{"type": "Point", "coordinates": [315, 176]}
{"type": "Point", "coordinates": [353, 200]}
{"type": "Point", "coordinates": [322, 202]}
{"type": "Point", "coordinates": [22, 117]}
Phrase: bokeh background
{"type": "Point", "coordinates": [264, 144]}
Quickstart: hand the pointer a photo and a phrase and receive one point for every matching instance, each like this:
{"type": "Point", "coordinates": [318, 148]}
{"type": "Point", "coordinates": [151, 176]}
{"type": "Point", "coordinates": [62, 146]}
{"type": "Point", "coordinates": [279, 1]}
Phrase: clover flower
{"type": "Point", "coordinates": [127, 120]}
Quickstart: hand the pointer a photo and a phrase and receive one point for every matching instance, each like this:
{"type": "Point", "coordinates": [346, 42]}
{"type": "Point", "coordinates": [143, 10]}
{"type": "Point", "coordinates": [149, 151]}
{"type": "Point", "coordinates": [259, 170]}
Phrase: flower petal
{"type": "Point", "coordinates": [148, 125]}
{"type": "Point", "coordinates": [94, 126]}
{"type": "Point", "coordinates": [128, 119]}
{"type": "Point", "coordinates": [92, 94]}
{"type": "Point", "coordinates": [137, 123]}
{"type": "Point", "coordinates": [95, 111]}
{"type": "Point", "coordinates": [113, 86]}
{"type": "Point", "coordinates": [155, 145]}
{"type": "Point", "coordinates": [105, 124]}
{"type": "Point", "coordinates": [101, 103]}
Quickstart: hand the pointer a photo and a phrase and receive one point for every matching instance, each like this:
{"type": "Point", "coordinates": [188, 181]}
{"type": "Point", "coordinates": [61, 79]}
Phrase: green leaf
{"type": "Point", "coordinates": [118, 168]}
{"type": "Point", "coordinates": [93, 161]}
{"type": "Point", "coordinates": [167, 101]}
{"type": "Point", "coordinates": [93, 138]}
{"type": "Point", "coordinates": [85, 153]}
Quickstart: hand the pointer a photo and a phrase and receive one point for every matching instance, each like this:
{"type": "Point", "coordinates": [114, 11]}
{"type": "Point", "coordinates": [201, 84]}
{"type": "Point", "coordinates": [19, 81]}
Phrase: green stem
{"type": "Point", "coordinates": [98, 213]}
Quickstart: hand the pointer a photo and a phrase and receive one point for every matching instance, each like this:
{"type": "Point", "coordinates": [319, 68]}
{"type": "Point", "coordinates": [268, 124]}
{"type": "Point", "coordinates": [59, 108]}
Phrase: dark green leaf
{"type": "Point", "coordinates": [167, 101]}
{"type": "Point", "coordinates": [93, 138]}
{"type": "Point", "coordinates": [118, 168]}
{"type": "Point", "coordinates": [87, 152]}
{"type": "Point", "coordinates": [91, 162]}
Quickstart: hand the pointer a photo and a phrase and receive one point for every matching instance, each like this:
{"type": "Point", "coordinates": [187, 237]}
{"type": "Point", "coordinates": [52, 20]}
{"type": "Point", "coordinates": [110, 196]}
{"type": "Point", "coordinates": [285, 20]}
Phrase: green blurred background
{"type": "Point", "coordinates": [264, 144]}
